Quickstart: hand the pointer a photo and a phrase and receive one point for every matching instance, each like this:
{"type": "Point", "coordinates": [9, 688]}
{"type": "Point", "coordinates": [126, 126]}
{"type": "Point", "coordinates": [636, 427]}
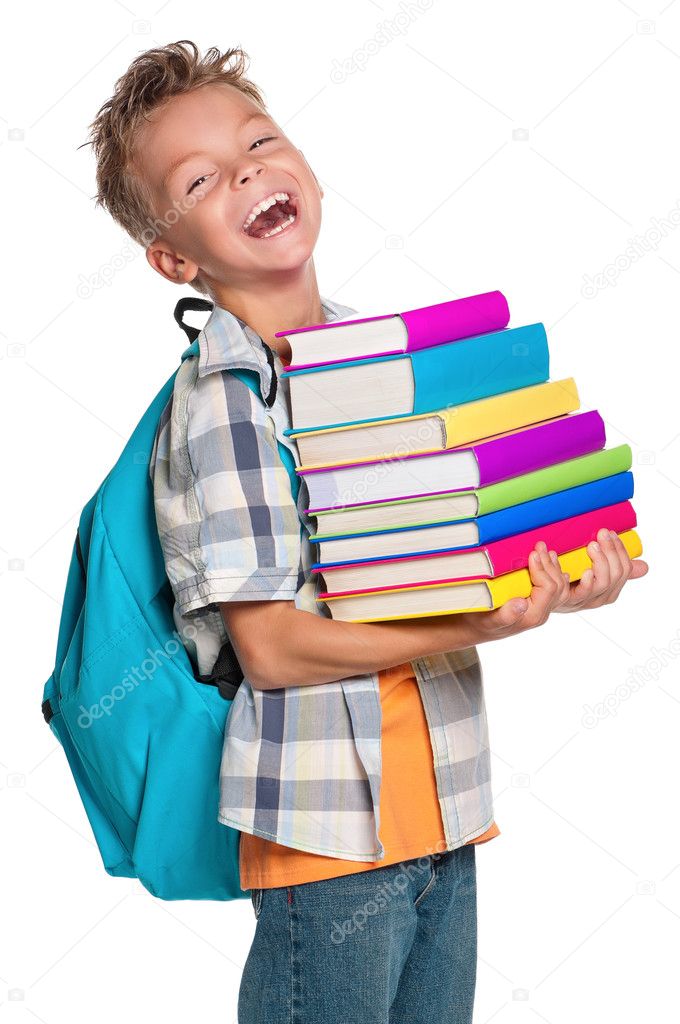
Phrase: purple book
{"type": "Point", "coordinates": [396, 333]}
{"type": "Point", "coordinates": [455, 469]}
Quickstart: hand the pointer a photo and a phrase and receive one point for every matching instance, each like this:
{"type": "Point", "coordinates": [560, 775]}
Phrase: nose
{"type": "Point", "coordinates": [253, 168]}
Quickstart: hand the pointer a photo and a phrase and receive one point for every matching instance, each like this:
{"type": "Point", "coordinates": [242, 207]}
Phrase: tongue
{"type": "Point", "coordinates": [268, 220]}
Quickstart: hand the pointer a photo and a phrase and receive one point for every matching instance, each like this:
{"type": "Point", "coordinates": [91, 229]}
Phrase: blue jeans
{"type": "Point", "coordinates": [393, 945]}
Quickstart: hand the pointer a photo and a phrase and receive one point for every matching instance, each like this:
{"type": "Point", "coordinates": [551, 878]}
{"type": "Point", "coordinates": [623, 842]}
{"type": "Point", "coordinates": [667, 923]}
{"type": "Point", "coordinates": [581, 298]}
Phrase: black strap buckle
{"type": "Point", "coordinates": [191, 302]}
{"type": "Point", "coordinates": [227, 674]}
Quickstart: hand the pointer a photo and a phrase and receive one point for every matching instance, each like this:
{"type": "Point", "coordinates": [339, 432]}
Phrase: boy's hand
{"type": "Point", "coordinates": [550, 590]}
{"type": "Point", "coordinates": [612, 567]}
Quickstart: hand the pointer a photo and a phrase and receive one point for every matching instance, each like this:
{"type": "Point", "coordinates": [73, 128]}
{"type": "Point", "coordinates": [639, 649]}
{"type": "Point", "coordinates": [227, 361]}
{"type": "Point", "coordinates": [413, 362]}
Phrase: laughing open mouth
{"type": "Point", "coordinates": [271, 216]}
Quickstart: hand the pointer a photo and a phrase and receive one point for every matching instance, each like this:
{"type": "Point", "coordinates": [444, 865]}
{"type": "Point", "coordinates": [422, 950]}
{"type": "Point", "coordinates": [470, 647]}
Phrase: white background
{"type": "Point", "coordinates": [518, 146]}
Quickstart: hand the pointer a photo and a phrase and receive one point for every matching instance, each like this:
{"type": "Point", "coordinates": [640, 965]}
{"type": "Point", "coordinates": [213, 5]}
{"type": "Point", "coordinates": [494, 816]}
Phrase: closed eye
{"type": "Point", "coordinates": [267, 138]}
{"type": "Point", "coordinates": [202, 178]}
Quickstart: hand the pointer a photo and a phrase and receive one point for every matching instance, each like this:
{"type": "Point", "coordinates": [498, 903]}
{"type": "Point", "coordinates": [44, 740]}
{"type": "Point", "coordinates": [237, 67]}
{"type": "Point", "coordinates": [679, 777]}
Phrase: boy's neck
{"type": "Point", "coordinates": [269, 308]}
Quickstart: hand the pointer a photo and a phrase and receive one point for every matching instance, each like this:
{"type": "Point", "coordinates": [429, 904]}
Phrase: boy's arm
{"type": "Point", "coordinates": [279, 645]}
{"type": "Point", "coordinates": [230, 534]}
{"type": "Point", "coordinates": [302, 648]}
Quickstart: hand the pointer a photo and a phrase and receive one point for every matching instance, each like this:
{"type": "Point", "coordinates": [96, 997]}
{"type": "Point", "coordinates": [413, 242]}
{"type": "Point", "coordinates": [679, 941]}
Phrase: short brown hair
{"type": "Point", "coordinates": [152, 78]}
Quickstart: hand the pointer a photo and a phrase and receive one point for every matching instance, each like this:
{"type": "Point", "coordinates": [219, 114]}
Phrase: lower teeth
{"type": "Point", "coordinates": [280, 227]}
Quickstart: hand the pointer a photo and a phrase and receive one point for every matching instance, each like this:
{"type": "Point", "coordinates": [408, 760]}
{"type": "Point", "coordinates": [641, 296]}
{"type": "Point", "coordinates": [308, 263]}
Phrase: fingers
{"type": "Point", "coordinates": [508, 615]}
{"type": "Point", "coordinates": [612, 567]}
{"type": "Point", "coordinates": [639, 569]}
{"type": "Point", "coordinates": [624, 564]}
{"type": "Point", "coordinates": [550, 585]}
{"type": "Point", "coordinates": [551, 590]}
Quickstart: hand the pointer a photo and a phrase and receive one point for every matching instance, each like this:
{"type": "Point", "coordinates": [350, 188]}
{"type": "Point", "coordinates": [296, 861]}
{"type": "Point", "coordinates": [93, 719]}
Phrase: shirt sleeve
{"type": "Point", "coordinates": [227, 520]}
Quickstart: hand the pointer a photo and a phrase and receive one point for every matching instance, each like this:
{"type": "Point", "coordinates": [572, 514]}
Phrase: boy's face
{"type": "Point", "coordinates": [208, 157]}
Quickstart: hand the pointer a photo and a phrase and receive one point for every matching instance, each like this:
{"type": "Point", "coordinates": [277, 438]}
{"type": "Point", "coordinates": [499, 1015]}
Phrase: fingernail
{"type": "Point", "coordinates": [554, 558]}
{"type": "Point", "coordinates": [594, 545]}
{"type": "Point", "coordinates": [613, 535]}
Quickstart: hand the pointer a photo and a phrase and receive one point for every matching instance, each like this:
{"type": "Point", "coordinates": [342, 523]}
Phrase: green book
{"type": "Point", "coordinates": [452, 505]}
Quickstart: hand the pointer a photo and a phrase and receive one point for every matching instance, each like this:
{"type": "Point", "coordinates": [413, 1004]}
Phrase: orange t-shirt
{"type": "Point", "coordinates": [410, 816]}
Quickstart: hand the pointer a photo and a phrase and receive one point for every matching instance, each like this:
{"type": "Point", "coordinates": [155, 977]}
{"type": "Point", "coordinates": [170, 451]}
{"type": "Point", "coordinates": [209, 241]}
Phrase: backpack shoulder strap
{"type": "Point", "coordinates": [226, 673]}
{"type": "Point", "coordinates": [247, 376]}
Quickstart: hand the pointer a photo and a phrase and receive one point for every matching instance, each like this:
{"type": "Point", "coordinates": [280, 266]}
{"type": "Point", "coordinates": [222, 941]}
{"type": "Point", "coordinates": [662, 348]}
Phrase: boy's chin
{"type": "Point", "coordinates": [283, 253]}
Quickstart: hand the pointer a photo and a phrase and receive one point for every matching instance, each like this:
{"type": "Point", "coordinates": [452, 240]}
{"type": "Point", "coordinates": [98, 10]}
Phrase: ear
{"type": "Point", "coordinates": [171, 265]}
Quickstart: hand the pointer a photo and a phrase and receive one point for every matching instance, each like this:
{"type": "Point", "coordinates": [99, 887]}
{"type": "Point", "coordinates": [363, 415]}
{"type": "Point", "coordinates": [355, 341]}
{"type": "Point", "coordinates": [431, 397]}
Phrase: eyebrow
{"type": "Point", "coordinates": [176, 164]}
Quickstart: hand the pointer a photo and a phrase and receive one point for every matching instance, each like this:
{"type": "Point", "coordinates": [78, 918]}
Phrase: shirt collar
{"type": "Point", "coordinates": [226, 343]}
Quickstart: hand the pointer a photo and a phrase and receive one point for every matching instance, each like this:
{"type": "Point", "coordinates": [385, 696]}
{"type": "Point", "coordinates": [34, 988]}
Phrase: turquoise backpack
{"type": "Point", "coordinates": [141, 731]}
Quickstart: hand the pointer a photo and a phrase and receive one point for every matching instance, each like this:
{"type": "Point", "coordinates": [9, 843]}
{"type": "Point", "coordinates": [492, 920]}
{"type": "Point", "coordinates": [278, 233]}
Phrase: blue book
{"type": "Point", "coordinates": [470, 533]}
{"type": "Point", "coordinates": [428, 379]}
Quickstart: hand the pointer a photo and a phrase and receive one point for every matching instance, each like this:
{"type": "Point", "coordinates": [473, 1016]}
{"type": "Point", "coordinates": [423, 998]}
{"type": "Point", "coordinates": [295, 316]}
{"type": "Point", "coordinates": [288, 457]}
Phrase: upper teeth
{"type": "Point", "coordinates": [275, 197]}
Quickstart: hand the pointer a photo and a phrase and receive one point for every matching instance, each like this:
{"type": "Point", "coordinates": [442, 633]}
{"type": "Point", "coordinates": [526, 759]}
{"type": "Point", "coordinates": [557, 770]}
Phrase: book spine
{"type": "Point", "coordinates": [460, 318]}
{"type": "Point", "coordinates": [537, 447]}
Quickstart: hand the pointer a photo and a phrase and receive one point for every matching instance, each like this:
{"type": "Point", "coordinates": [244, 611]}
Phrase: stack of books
{"type": "Point", "coordinates": [437, 452]}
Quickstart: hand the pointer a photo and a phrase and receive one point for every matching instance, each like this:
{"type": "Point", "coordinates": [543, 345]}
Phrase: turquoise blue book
{"type": "Point", "coordinates": [423, 381]}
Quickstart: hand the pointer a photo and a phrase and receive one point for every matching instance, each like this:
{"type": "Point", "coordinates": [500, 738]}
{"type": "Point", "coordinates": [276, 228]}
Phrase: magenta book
{"type": "Point", "coordinates": [487, 561]}
{"type": "Point", "coordinates": [479, 465]}
{"type": "Point", "coordinates": [396, 333]}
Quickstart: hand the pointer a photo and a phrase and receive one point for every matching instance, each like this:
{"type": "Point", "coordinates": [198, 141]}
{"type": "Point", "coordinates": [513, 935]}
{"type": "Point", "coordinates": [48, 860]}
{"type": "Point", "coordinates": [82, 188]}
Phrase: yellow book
{"type": "Point", "coordinates": [478, 595]}
{"type": "Point", "coordinates": [458, 425]}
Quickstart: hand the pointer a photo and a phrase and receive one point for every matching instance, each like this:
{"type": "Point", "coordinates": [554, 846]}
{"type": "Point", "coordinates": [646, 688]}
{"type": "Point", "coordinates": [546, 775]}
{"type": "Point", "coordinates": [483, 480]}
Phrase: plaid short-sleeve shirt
{"type": "Point", "coordinates": [301, 765]}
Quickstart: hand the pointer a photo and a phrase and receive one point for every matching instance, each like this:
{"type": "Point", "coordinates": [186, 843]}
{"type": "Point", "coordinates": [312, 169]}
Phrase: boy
{"type": "Point", "coordinates": [356, 757]}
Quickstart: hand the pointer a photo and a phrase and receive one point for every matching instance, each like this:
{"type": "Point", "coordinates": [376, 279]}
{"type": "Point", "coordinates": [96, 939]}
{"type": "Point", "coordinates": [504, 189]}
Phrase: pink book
{"type": "Point", "coordinates": [486, 562]}
{"type": "Point", "coordinates": [396, 333]}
